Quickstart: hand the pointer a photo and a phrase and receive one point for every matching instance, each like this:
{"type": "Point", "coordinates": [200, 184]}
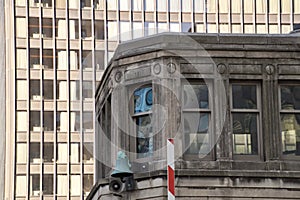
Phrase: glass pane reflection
{"type": "Point", "coordinates": [290, 133]}
{"type": "Point", "coordinates": [195, 96]}
{"type": "Point", "coordinates": [244, 96]}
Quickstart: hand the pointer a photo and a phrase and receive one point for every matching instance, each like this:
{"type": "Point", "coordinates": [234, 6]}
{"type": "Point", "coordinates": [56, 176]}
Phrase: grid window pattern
{"type": "Point", "coordinates": [72, 41]}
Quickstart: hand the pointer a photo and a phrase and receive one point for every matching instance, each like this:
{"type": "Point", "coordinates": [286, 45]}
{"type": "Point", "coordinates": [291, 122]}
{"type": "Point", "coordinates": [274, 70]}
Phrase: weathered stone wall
{"type": "Point", "coordinates": [267, 60]}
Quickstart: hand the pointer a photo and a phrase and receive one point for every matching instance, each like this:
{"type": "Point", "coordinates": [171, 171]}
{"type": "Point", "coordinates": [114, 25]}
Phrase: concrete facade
{"type": "Point", "coordinates": [267, 167]}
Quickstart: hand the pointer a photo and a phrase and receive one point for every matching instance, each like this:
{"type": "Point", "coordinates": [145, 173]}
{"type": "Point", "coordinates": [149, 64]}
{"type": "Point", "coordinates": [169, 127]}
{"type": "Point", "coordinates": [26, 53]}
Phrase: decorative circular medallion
{"type": "Point", "coordinates": [171, 68]}
{"type": "Point", "coordinates": [270, 69]}
{"type": "Point", "coordinates": [156, 69]}
{"type": "Point", "coordinates": [221, 68]}
{"type": "Point", "coordinates": [118, 76]}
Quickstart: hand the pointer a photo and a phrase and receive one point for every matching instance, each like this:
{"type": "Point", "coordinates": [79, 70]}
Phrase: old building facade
{"type": "Point", "coordinates": [229, 101]}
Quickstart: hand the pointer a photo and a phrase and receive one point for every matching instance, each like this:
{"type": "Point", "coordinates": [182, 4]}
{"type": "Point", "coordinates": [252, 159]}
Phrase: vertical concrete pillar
{"type": "Point", "coordinates": [2, 98]}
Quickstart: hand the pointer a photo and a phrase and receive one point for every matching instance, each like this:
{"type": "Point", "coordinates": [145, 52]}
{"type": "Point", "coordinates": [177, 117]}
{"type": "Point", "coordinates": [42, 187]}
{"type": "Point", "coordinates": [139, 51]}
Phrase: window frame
{"type": "Point", "coordinates": [258, 112]}
{"type": "Point", "coordinates": [134, 116]}
{"type": "Point", "coordinates": [210, 110]}
{"type": "Point", "coordinates": [285, 111]}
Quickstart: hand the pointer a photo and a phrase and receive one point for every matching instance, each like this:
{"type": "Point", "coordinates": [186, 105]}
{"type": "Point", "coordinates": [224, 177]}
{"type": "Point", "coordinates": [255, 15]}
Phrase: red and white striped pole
{"type": "Point", "coordinates": [171, 169]}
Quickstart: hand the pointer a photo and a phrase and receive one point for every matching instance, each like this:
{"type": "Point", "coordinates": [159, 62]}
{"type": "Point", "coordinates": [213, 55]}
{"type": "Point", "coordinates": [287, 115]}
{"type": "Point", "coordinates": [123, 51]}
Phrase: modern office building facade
{"type": "Point", "coordinates": [56, 51]}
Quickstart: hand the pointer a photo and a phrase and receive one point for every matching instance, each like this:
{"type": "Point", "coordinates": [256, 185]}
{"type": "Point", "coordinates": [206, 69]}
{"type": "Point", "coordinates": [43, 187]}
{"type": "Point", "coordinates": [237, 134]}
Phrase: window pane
{"type": "Point", "coordinates": [87, 60]}
{"type": "Point", "coordinates": [21, 58]}
{"type": "Point", "coordinates": [290, 97]}
{"type": "Point", "coordinates": [138, 30]}
{"type": "Point", "coordinates": [236, 6]}
{"type": "Point", "coordinates": [86, 29]}
{"type": "Point", "coordinates": [144, 136]}
{"type": "Point", "coordinates": [99, 29]}
{"type": "Point", "coordinates": [261, 29]}
{"type": "Point", "coordinates": [200, 28]}
{"type": "Point", "coordinates": [75, 121]}
{"type": "Point", "coordinates": [244, 96]}
{"type": "Point", "coordinates": [99, 60]}
{"type": "Point", "coordinates": [20, 2]}
{"type": "Point", "coordinates": [290, 133]}
{"type": "Point", "coordinates": [88, 152]}
{"type": "Point", "coordinates": [149, 28]}
{"type": "Point", "coordinates": [21, 185]}
{"type": "Point", "coordinates": [111, 4]}
{"type": "Point", "coordinates": [21, 153]}
{"type": "Point", "coordinates": [245, 133]}
{"type": "Point", "coordinates": [162, 5]}
{"type": "Point", "coordinates": [48, 120]}
{"type": "Point", "coordinates": [87, 183]}
{"type": "Point", "coordinates": [149, 5]}
{"type": "Point", "coordinates": [62, 121]}
{"type": "Point", "coordinates": [21, 27]}
{"type": "Point", "coordinates": [21, 121]}
{"type": "Point", "coordinates": [62, 185]}
{"type": "Point", "coordinates": [34, 58]}
{"type": "Point", "coordinates": [261, 6]}
{"type": "Point", "coordinates": [195, 96]}
{"type": "Point", "coordinates": [74, 90]}
{"type": "Point", "coordinates": [47, 27]}
{"type": "Point", "coordinates": [35, 185]}
{"type": "Point", "coordinates": [174, 27]}
{"type": "Point", "coordinates": [48, 184]}
{"type": "Point", "coordinates": [74, 185]}
{"type": "Point", "coordinates": [142, 99]}
{"type": "Point", "coordinates": [124, 5]}
{"type": "Point", "coordinates": [273, 6]}
{"type": "Point", "coordinates": [47, 58]}
{"type": "Point", "coordinates": [137, 5]}
{"type": "Point", "coordinates": [34, 27]}
{"type": "Point", "coordinates": [296, 7]}
{"type": "Point", "coordinates": [125, 31]}
{"type": "Point", "coordinates": [75, 149]}
{"type": "Point", "coordinates": [99, 4]}
{"type": "Point", "coordinates": [61, 3]}
{"type": "Point", "coordinates": [248, 6]}
{"type": "Point", "coordinates": [223, 6]}
{"type": "Point", "coordinates": [249, 28]}
{"type": "Point", "coordinates": [48, 154]}
{"type": "Point", "coordinates": [87, 90]}
{"type": "Point", "coordinates": [199, 4]}
{"type": "Point", "coordinates": [85, 3]}
{"type": "Point", "coordinates": [62, 152]}
{"type": "Point", "coordinates": [286, 6]}
{"type": "Point", "coordinates": [196, 133]}
{"type": "Point", "coordinates": [187, 5]}
{"type": "Point", "coordinates": [87, 121]}
{"type": "Point", "coordinates": [236, 28]}
{"type": "Point", "coordinates": [211, 6]}
{"type": "Point", "coordinates": [22, 89]}
{"type": "Point", "coordinates": [186, 27]}
{"type": "Point", "coordinates": [212, 28]}
{"type": "Point", "coordinates": [34, 153]}
{"type": "Point", "coordinates": [112, 30]}
{"type": "Point", "coordinates": [174, 5]}
{"type": "Point", "coordinates": [162, 27]}
{"type": "Point", "coordinates": [224, 28]}
{"type": "Point", "coordinates": [35, 121]}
